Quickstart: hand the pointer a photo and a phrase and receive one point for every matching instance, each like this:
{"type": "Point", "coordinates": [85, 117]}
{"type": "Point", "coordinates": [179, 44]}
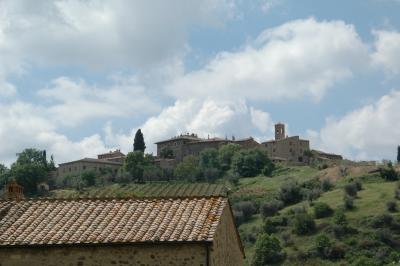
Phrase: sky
{"type": "Point", "coordinates": [78, 78]}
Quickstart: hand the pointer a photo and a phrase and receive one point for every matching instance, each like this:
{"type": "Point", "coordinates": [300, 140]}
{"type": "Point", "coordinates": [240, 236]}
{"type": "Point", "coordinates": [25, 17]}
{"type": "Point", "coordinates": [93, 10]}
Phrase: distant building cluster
{"type": "Point", "coordinates": [283, 148]}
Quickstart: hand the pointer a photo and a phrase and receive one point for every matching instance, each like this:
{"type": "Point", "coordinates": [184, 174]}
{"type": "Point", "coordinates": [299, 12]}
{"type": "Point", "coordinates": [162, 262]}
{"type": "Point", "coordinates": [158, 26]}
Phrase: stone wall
{"type": "Point", "coordinates": [149, 255]}
{"type": "Point", "coordinates": [225, 249]}
{"type": "Point", "coordinates": [76, 168]}
{"type": "Point", "coordinates": [291, 148]}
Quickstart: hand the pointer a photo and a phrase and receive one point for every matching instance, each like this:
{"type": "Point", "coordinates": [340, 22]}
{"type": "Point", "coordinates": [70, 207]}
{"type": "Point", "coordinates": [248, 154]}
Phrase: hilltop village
{"type": "Point", "coordinates": [284, 149]}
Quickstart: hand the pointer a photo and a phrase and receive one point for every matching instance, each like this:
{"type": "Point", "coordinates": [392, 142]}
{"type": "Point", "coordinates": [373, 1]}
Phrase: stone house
{"type": "Point", "coordinates": [190, 144]}
{"type": "Point", "coordinates": [196, 231]}
{"type": "Point", "coordinates": [284, 148]}
{"type": "Point", "coordinates": [113, 156]}
{"type": "Point", "coordinates": [76, 168]}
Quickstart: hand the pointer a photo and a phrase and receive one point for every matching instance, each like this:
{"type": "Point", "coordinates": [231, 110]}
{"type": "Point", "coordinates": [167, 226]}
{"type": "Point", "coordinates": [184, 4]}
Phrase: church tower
{"type": "Point", "coordinates": [279, 131]}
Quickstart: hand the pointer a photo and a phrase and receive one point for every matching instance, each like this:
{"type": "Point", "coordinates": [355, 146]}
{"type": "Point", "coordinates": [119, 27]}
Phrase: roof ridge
{"type": "Point", "coordinates": [116, 198]}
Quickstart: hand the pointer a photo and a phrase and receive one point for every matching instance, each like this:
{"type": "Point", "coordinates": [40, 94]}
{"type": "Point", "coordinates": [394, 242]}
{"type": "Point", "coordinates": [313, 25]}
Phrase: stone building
{"type": "Point", "coordinates": [284, 148]}
{"type": "Point", "coordinates": [113, 156]}
{"type": "Point", "coordinates": [76, 168]}
{"type": "Point", "coordinates": [190, 144]}
{"type": "Point", "coordinates": [196, 231]}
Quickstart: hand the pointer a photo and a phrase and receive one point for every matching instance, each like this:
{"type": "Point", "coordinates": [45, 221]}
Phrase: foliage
{"type": "Point", "coordinates": [348, 202]}
{"type": "Point", "coordinates": [4, 175]}
{"type": "Point", "coordinates": [247, 208]}
{"type": "Point", "coordinates": [268, 168]}
{"type": "Point", "coordinates": [138, 143]}
{"type": "Point", "coordinates": [209, 164]}
{"type": "Point", "coordinates": [249, 162]}
{"type": "Point", "coordinates": [89, 178]}
{"type": "Point", "coordinates": [389, 173]}
{"type": "Point", "coordinates": [267, 251]}
{"type": "Point", "coordinates": [322, 210]}
{"type": "Point", "coordinates": [134, 164]}
{"type": "Point", "coordinates": [326, 185]}
{"type": "Point", "coordinates": [188, 169]}
{"type": "Point", "coordinates": [323, 245]}
{"type": "Point", "coordinates": [391, 206]}
{"type": "Point", "coordinates": [351, 189]}
{"type": "Point", "coordinates": [304, 224]}
{"type": "Point", "coordinates": [225, 155]}
{"type": "Point", "coordinates": [340, 218]}
{"type": "Point", "coordinates": [30, 169]}
{"type": "Point", "coordinates": [166, 153]}
{"type": "Point", "coordinates": [290, 193]}
{"type": "Point", "coordinates": [270, 208]}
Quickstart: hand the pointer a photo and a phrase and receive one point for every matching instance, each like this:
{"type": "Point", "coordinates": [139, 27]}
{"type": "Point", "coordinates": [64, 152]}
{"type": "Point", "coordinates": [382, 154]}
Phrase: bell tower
{"type": "Point", "coordinates": [279, 131]}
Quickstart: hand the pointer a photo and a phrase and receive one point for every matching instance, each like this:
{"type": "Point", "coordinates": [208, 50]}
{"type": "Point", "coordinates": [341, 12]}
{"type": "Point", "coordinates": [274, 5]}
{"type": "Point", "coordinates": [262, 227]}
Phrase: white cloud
{"type": "Point", "coordinates": [22, 126]}
{"type": "Point", "coordinates": [205, 118]}
{"type": "Point", "coordinates": [370, 132]}
{"type": "Point", "coordinates": [73, 102]}
{"type": "Point", "coordinates": [268, 5]}
{"type": "Point", "coordinates": [387, 54]}
{"type": "Point", "coordinates": [100, 33]}
{"type": "Point", "coordinates": [298, 59]}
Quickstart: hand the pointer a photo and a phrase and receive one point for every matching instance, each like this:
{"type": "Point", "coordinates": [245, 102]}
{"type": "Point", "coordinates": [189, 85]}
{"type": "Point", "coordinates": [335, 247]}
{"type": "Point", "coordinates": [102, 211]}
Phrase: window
{"type": "Point", "coordinates": [84, 167]}
{"type": "Point", "coordinates": [69, 169]}
{"type": "Point", "coordinates": [273, 150]}
{"type": "Point", "coordinates": [290, 150]}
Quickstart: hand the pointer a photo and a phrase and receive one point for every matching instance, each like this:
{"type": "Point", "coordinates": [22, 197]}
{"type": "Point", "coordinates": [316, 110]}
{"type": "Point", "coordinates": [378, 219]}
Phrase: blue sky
{"type": "Point", "coordinates": [80, 77]}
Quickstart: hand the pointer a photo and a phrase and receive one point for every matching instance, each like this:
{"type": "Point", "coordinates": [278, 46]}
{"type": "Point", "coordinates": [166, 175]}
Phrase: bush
{"type": "Point", "coordinates": [358, 185]}
{"type": "Point", "coordinates": [384, 220]}
{"type": "Point", "coordinates": [326, 185]}
{"type": "Point", "coordinates": [386, 237]}
{"type": "Point", "coordinates": [351, 189]}
{"type": "Point", "coordinates": [340, 218]}
{"type": "Point", "coordinates": [348, 202]}
{"type": "Point", "coordinates": [397, 193]}
{"type": "Point", "coordinates": [297, 210]}
{"type": "Point", "coordinates": [267, 251]}
{"type": "Point", "coordinates": [389, 173]}
{"type": "Point", "coordinates": [269, 227]}
{"type": "Point", "coordinates": [322, 210]}
{"type": "Point", "coordinates": [290, 193]}
{"type": "Point", "coordinates": [312, 194]}
{"type": "Point", "coordinates": [337, 252]}
{"type": "Point", "coordinates": [270, 208]}
{"type": "Point", "coordinates": [391, 206]}
{"type": "Point", "coordinates": [304, 224]}
{"type": "Point", "coordinates": [247, 208]}
{"type": "Point", "coordinates": [323, 245]}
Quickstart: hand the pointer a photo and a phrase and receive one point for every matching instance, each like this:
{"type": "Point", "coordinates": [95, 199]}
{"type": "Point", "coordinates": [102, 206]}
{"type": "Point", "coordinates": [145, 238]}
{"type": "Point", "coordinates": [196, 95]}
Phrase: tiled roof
{"type": "Point", "coordinates": [91, 160]}
{"type": "Point", "coordinates": [109, 221]}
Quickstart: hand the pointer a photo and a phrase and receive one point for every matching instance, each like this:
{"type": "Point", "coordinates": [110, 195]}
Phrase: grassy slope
{"type": "Point", "coordinates": [371, 201]}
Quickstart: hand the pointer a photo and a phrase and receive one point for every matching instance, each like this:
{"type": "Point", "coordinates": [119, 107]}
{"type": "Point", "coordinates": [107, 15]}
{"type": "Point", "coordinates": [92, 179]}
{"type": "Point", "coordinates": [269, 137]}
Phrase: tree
{"type": "Point", "coordinates": [167, 153]}
{"type": "Point", "coordinates": [249, 162]}
{"type": "Point", "coordinates": [225, 155]}
{"type": "Point", "coordinates": [398, 154]}
{"type": "Point", "coordinates": [4, 175]}
{"type": "Point", "coordinates": [134, 164]}
{"type": "Point", "coordinates": [209, 164]}
{"type": "Point", "coordinates": [89, 178]}
{"type": "Point", "coordinates": [188, 169]}
{"type": "Point", "coordinates": [30, 169]}
{"type": "Point", "coordinates": [138, 143]}
{"type": "Point", "coordinates": [268, 251]}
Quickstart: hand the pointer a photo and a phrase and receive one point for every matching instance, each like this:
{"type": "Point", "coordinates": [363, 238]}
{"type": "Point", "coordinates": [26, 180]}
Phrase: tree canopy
{"type": "Point", "coordinates": [138, 143]}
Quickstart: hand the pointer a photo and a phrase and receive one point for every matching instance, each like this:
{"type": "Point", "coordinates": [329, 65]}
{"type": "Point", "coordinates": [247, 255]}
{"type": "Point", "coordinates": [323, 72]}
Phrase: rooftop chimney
{"type": "Point", "coordinates": [14, 191]}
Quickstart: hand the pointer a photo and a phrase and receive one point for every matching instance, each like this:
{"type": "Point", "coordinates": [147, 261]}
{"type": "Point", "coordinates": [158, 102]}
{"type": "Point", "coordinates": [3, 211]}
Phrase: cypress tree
{"type": "Point", "coordinates": [138, 143]}
{"type": "Point", "coordinates": [398, 154]}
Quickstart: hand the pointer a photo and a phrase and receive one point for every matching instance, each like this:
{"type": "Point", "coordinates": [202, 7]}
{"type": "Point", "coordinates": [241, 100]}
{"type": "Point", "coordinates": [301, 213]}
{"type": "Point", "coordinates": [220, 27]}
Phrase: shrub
{"type": "Point", "coordinates": [269, 227]}
{"type": "Point", "coordinates": [304, 224]}
{"type": "Point", "coordinates": [238, 215]}
{"type": "Point", "coordinates": [270, 208]}
{"type": "Point", "coordinates": [297, 210]}
{"type": "Point", "coordinates": [385, 236]}
{"type": "Point", "coordinates": [287, 238]}
{"type": "Point", "coordinates": [290, 193]}
{"type": "Point", "coordinates": [337, 252]}
{"type": "Point", "coordinates": [384, 220]}
{"type": "Point", "coordinates": [348, 202]}
{"type": "Point", "coordinates": [323, 245]}
{"type": "Point", "coordinates": [326, 185]}
{"type": "Point", "coordinates": [322, 210]}
{"type": "Point", "coordinates": [267, 251]}
{"type": "Point", "coordinates": [389, 173]}
{"type": "Point", "coordinates": [247, 208]}
{"type": "Point", "coordinates": [351, 189]}
{"type": "Point", "coordinates": [391, 206]}
{"type": "Point", "coordinates": [358, 184]}
{"type": "Point", "coordinates": [340, 218]}
{"type": "Point", "coordinates": [312, 194]}
{"type": "Point", "coordinates": [397, 193]}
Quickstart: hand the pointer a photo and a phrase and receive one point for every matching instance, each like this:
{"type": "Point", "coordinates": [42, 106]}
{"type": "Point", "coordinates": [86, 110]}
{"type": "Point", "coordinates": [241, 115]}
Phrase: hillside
{"type": "Point", "coordinates": [372, 234]}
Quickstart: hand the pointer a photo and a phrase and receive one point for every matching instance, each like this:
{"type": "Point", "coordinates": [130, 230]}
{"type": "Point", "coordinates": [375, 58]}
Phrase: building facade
{"type": "Point", "coordinates": [190, 144]}
{"type": "Point", "coordinates": [288, 149]}
{"type": "Point", "coordinates": [76, 168]}
{"type": "Point", "coordinates": [159, 231]}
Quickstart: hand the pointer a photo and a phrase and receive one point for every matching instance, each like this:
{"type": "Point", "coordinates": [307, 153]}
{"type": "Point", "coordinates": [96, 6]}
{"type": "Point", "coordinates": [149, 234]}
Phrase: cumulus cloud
{"type": "Point", "coordinates": [206, 118]}
{"type": "Point", "coordinates": [370, 132]}
{"type": "Point", "coordinates": [387, 54]}
{"type": "Point", "coordinates": [99, 33]}
{"type": "Point", "coordinates": [301, 58]}
{"type": "Point", "coordinates": [73, 102]}
{"type": "Point", "coordinates": [22, 126]}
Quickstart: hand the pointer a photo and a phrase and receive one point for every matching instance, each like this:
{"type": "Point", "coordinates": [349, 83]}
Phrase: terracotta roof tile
{"type": "Point", "coordinates": [80, 221]}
